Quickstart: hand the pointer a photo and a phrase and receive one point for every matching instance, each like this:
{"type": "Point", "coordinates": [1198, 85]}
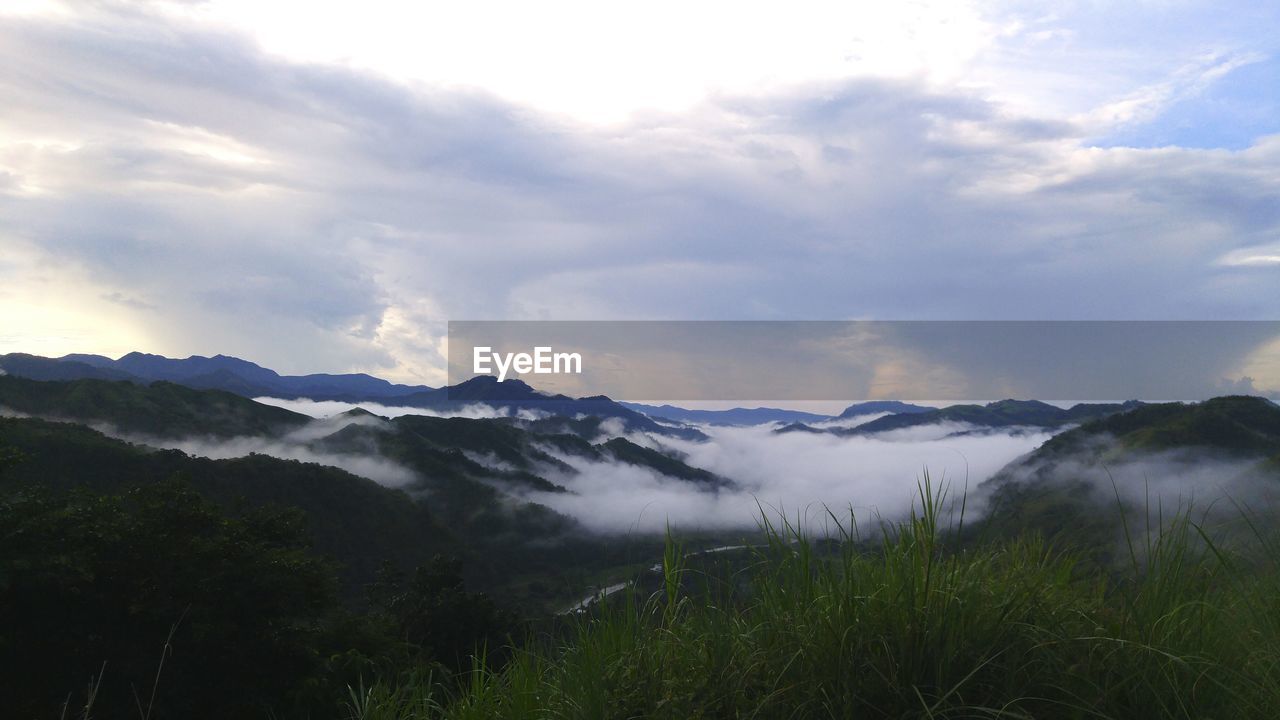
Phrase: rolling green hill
{"type": "Point", "coordinates": [1004, 413]}
{"type": "Point", "coordinates": [469, 488]}
{"type": "Point", "coordinates": [161, 409]}
{"type": "Point", "coordinates": [1160, 455]}
{"type": "Point", "coordinates": [352, 520]}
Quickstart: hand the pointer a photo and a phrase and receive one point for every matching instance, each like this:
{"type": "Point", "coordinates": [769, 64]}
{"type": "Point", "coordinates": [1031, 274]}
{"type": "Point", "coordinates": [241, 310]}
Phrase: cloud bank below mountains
{"type": "Point", "coordinates": [328, 408]}
{"type": "Point", "coordinates": [799, 474]}
{"type": "Point", "coordinates": [872, 476]}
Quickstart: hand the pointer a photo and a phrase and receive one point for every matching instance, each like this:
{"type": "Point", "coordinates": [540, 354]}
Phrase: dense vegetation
{"type": "Point", "coordinates": [141, 582]}
{"type": "Point", "coordinates": [350, 520]}
{"type": "Point", "coordinates": [916, 627]}
{"type": "Point", "coordinates": [461, 501]}
{"type": "Point", "coordinates": [1004, 413]}
{"type": "Point", "coordinates": [161, 409]}
{"type": "Point", "coordinates": [158, 602]}
{"type": "Point", "coordinates": [231, 375]}
{"type": "Point", "coordinates": [1068, 488]}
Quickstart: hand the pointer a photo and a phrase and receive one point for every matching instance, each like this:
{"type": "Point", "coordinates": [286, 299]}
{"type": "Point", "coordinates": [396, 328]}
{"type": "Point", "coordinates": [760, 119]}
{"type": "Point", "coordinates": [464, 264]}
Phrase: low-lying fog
{"type": "Point", "coordinates": [791, 472]}
{"type": "Point", "coordinates": [795, 473]}
{"type": "Point", "coordinates": [329, 408]}
{"type": "Point", "coordinates": [801, 474]}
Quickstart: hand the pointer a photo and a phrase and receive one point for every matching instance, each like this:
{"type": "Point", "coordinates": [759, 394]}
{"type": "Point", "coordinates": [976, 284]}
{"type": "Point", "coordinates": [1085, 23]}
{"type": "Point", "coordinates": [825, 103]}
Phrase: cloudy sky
{"type": "Point", "coordinates": [320, 188]}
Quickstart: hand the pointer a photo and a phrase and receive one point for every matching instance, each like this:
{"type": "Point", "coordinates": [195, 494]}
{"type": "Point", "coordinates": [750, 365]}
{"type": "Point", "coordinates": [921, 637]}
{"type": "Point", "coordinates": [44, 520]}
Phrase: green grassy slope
{"type": "Point", "coordinates": [913, 628]}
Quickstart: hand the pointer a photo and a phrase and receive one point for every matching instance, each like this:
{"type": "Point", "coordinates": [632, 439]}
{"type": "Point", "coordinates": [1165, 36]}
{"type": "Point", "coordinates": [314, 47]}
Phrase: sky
{"type": "Point", "coordinates": [320, 187]}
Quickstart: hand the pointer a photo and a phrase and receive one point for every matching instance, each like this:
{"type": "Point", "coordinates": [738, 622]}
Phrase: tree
{"type": "Point", "coordinates": [156, 587]}
{"type": "Point", "coordinates": [433, 611]}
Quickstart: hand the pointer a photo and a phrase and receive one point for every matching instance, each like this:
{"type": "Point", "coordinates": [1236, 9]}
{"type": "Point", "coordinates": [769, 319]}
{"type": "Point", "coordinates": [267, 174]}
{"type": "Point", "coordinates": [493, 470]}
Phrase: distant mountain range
{"type": "Point", "coordinates": [734, 416]}
{"type": "Point", "coordinates": [465, 487]}
{"type": "Point", "coordinates": [877, 407]}
{"type": "Point", "coordinates": [1000, 414]}
{"type": "Point", "coordinates": [767, 415]}
{"type": "Point", "coordinates": [220, 372]}
{"type": "Point", "coordinates": [1072, 487]}
{"type": "Point", "coordinates": [1004, 413]}
{"type": "Point", "coordinates": [468, 480]}
{"type": "Point", "coordinates": [165, 410]}
{"type": "Point", "coordinates": [250, 380]}
{"type": "Point", "coordinates": [518, 395]}
{"type": "Point", "coordinates": [1227, 428]}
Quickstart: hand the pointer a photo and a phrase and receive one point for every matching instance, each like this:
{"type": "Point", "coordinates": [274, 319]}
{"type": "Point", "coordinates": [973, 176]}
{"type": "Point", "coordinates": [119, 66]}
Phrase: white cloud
{"type": "Point", "coordinates": [322, 217]}
{"type": "Point", "coordinates": [600, 62]}
{"type": "Point", "coordinates": [321, 409]}
{"type": "Point", "coordinates": [794, 472]}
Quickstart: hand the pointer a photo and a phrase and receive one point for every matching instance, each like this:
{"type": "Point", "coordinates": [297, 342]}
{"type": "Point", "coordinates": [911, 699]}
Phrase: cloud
{"type": "Point", "coordinates": [131, 302]}
{"type": "Point", "coordinates": [795, 473]}
{"type": "Point", "coordinates": [1202, 483]}
{"type": "Point", "coordinates": [322, 409]}
{"type": "Point", "coordinates": [296, 445]}
{"type": "Point", "coordinates": [323, 217]}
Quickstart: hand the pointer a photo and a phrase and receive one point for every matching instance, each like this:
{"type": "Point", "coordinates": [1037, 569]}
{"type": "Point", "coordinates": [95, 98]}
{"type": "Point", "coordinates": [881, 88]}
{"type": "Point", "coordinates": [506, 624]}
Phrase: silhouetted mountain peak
{"type": "Point", "coordinates": [99, 361]}
{"type": "Point", "coordinates": [220, 372]}
{"type": "Point", "coordinates": [875, 407]}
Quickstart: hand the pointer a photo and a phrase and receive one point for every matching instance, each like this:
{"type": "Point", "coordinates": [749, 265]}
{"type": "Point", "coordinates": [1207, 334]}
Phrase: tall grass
{"type": "Point", "coordinates": [912, 627]}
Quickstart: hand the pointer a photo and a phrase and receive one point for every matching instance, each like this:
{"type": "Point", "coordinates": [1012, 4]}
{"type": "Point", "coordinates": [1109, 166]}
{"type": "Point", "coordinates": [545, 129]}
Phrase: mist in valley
{"type": "Point", "coordinates": [804, 476]}
{"type": "Point", "coordinates": [800, 475]}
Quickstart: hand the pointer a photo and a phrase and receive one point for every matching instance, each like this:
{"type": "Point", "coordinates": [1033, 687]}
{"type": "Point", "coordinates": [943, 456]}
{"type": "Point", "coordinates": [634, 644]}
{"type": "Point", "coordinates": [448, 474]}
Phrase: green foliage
{"type": "Point", "coordinates": [1066, 491]}
{"type": "Point", "coordinates": [918, 627]}
{"type": "Point", "coordinates": [433, 611]}
{"type": "Point", "coordinates": [1004, 413]}
{"type": "Point", "coordinates": [626, 451]}
{"type": "Point", "coordinates": [1234, 424]}
{"type": "Point", "coordinates": [155, 588]}
{"type": "Point", "coordinates": [350, 519]}
{"type": "Point", "coordinates": [161, 409]}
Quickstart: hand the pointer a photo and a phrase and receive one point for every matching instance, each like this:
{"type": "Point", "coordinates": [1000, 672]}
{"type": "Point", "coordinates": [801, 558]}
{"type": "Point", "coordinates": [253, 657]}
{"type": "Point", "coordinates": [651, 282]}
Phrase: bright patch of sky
{"type": "Point", "coordinates": [1149, 73]}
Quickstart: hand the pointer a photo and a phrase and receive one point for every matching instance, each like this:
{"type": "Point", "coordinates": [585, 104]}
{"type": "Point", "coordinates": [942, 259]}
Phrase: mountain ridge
{"type": "Point", "coordinates": [218, 372]}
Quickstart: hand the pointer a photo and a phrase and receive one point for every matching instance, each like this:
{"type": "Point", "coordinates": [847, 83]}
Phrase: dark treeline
{"type": "Point", "coordinates": [157, 599]}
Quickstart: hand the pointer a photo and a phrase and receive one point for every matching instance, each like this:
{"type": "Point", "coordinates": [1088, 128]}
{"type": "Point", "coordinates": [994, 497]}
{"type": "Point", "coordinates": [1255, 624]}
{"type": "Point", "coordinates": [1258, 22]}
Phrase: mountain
{"type": "Point", "coordinates": [101, 361]}
{"type": "Point", "coordinates": [161, 409]}
{"type": "Point", "coordinates": [1228, 427]}
{"type": "Point", "coordinates": [503, 450]}
{"type": "Point", "coordinates": [734, 416]}
{"type": "Point", "coordinates": [220, 372]}
{"type": "Point", "coordinates": [628, 452]}
{"type": "Point", "coordinates": [351, 519]}
{"type": "Point", "coordinates": [516, 395]}
{"type": "Point", "coordinates": [474, 476]}
{"type": "Point", "coordinates": [249, 380]}
{"type": "Point", "coordinates": [448, 453]}
{"type": "Point", "coordinates": [36, 367]}
{"type": "Point", "coordinates": [876, 407]}
{"type": "Point", "coordinates": [1001, 414]}
{"type": "Point", "coordinates": [800, 427]}
{"type": "Point", "coordinates": [1152, 458]}
{"type": "Point", "coordinates": [235, 372]}
{"type": "Point", "coordinates": [1236, 424]}
{"type": "Point", "coordinates": [764, 416]}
